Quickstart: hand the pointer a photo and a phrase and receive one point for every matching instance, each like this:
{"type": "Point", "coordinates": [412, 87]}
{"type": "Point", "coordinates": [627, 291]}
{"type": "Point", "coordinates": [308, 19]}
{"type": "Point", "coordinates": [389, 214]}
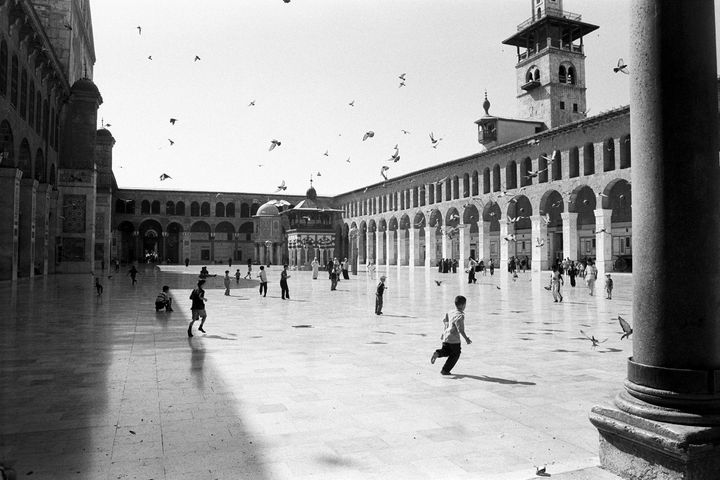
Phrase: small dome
{"type": "Point", "coordinates": [311, 193]}
{"type": "Point", "coordinates": [85, 85]}
{"type": "Point", "coordinates": [267, 210]}
{"type": "Point", "coordinates": [104, 132]}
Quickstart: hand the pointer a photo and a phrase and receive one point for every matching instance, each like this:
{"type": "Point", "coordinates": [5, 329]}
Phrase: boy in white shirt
{"type": "Point", "coordinates": [453, 329]}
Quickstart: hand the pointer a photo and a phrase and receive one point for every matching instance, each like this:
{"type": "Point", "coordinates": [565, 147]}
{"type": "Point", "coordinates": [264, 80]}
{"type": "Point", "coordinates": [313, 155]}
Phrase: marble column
{"type": "Point", "coordinates": [26, 226]}
{"type": "Point", "coordinates": [185, 247]}
{"type": "Point", "coordinates": [402, 254]}
{"type": "Point", "coordinates": [665, 424]}
{"type": "Point", "coordinates": [380, 249]}
{"type": "Point", "coordinates": [603, 242]}
{"type": "Point", "coordinates": [464, 239]}
{"type": "Point", "coordinates": [539, 259]}
{"type": "Point", "coordinates": [430, 259]}
{"type": "Point", "coordinates": [369, 242]}
{"type": "Point", "coordinates": [570, 235]}
{"type": "Point", "coordinates": [414, 247]}
{"type": "Point", "coordinates": [391, 247]}
{"type": "Point", "coordinates": [446, 243]}
{"type": "Point", "coordinates": [9, 216]}
{"type": "Point", "coordinates": [507, 247]}
{"type": "Point", "coordinates": [483, 252]}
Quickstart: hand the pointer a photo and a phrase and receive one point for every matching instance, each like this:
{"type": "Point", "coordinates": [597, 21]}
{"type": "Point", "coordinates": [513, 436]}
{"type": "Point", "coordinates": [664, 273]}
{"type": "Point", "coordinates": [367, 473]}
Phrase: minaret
{"type": "Point", "coordinates": [551, 64]}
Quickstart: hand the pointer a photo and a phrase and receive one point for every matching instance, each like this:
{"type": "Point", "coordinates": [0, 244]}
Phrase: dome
{"type": "Point", "coordinates": [267, 210]}
{"type": "Point", "coordinates": [311, 193]}
{"type": "Point", "coordinates": [104, 132]}
{"type": "Point", "coordinates": [85, 85]}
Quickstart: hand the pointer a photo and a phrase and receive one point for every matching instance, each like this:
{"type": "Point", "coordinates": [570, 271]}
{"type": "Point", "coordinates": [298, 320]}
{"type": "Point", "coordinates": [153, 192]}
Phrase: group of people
{"type": "Point", "coordinates": [478, 266]}
{"type": "Point", "coordinates": [585, 269]}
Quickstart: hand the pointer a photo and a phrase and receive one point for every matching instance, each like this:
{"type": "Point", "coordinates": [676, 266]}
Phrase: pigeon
{"type": "Point", "coordinates": [602, 230]}
{"type": "Point", "coordinates": [541, 472]}
{"type": "Point", "coordinates": [319, 174]}
{"type": "Point", "coordinates": [383, 170]}
{"type": "Point", "coordinates": [348, 160]}
{"type": "Point", "coordinates": [402, 84]}
{"type": "Point", "coordinates": [149, 57]}
{"type": "Point", "coordinates": [173, 120]}
{"type": "Point", "coordinates": [540, 242]}
{"type": "Point", "coordinates": [274, 143]}
{"type": "Point", "coordinates": [395, 156]}
{"type": "Point", "coordinates": [546, 218]}
{"type": "Point", "coordinates": [595, 341]}
{"type": "Point", "coordinates": [139, 29]}
{"type": "Point", "coordinates": [251, 104]}
{"type": "Point", "coordinates": [627, 329]}
{"type": "Point", "coordinates": [434, 140]}
{"type": "Point", "coordinates": [164, 176]}
{"type": "Point", "coordinates": [286, 1]}
{"type": "Point", "coordinates": [510, 238]}
{"type": "Point", "coordinates": [172, 142]}
{"type": "Point", "coordinates": [281, 187]}
{"type": "Point", "coordinates": [535, 173]}
{"type": "Point", "coordinates": [621, 67]}
{"type": "Point", "coordinates": [402, 76]}
{"type": "Point", "coordinates": [196, 58]}
{"type": "Point", "coordinates": [438, 282]}
{"type": "Point", "coordinates": [534, 141]}
{"type": "Point", "coordinates": [352, 104]}
{"type": "Point", "coordinates": [454, 216]}
{"type": "Point", "coordinates": [405, 132]}
{"type": "Point", "coordinates": [369, 134]}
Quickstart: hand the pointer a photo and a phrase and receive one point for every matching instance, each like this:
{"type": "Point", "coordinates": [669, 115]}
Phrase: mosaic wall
{"type": "Point", "coordinates": [74, 213]}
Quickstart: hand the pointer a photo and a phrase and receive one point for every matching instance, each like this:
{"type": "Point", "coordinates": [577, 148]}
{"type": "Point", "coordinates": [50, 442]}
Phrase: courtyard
{"type": "Point", "coordinates": [314, 387]}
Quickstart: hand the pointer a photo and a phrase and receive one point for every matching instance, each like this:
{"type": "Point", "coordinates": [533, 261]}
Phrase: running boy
{"type": "Point", "coordinates": [453, 328]}
{"type": "Point", "coordinates": [198, 307]}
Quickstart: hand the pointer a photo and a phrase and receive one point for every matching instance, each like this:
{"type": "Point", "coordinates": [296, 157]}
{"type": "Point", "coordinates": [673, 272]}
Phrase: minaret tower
{"type": "Point", "coordinates": [551, 64]}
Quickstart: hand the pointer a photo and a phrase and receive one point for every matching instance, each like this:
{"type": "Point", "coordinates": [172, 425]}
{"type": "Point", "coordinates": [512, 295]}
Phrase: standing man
{"type": "Point", "coordinates": [226, 282]}
{"type": "Point", "coordinates": [379, 295]}
{"type": "Point", "coordinates": [284, 291]}
{"type": "Point", "coordinates": [333, 277]}
{"type": "Point", "coordinates": [263, 281]}
{"type": "Point", "coordinates": [315, 264]}
{"type": "Point", "coordinates": [345, 265]}
{"type": "Point", "coordinates": [198, 307]}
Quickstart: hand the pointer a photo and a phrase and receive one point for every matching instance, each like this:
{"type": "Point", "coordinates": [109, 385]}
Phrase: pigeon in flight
{"type": "Point", "coordinates": [274, 143]}
{"type": "Point", "coordinates": [434, 140]}
{"type": "Point", "coordinates": [327, 153]}
{"type": "Point", "coordinates": [149, 57]}
{"type": "Point", "coordinates": [319, 174]}
{"type": "Point", "coordinates": [395, 156]}
{"type": "Point", "coordinates": [535, 173]}
{"type": "Point", "coordinates": [281, 187]}
{"type": "Point", "coordinates": [172, 142]}
{"type": "Point", "coordinates": [627, 329]}
{"type": "Point", "coordinates": [402, 84]}
{"type": "Point", "coordinates": [534, 141]}
{"type": "Point", "coordinates": [383, 169]}
{"type": "Point", "coordinates": [348, 160]}
{"type": "Point", "coordinates": [438, 282]}
{"type": "Point", "coordinates": [510, 238]}
{"type": "Point", "coordinates": [173, 120]}
{"type": "Point", "coordinates": [251, 104]}
{"type": "Point", "coordinates": [402, 76]}
{"type": "Point", "coordinates": [595, 341]}
{"type": "Point", "coordinates": [196, 58]}
{"type": "Point", "coordinates": [541, 472]}
{"type": "Point", "coordinates": [546, 218]}
{"type": "Point", "coordinates": [368, 134]}
{"type": "Point", "coordinates": [540, 242]}
{"type": "Point", "coordinates": [602, 230]}
{"type": "Point", "coordinates": [164, 176]}
{"type": "Point", "coordinates": [621, 67]}
{"type": "Point", "coordinates": [352, 104]}
{"type": "Point", "coordinates": [405, 132]}
{"type": "Point", "coordinates": [139, 29]}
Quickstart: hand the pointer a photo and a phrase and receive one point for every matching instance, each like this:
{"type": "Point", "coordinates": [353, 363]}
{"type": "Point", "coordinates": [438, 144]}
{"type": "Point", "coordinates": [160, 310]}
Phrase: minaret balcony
{"type": "Point", "coordinates": [550, 12]}
{"type": "Point", "coordinates": [530, 85]}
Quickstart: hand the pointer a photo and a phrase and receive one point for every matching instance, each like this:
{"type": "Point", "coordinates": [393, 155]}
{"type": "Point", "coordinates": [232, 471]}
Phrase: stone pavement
{"type": "Point", "coordinates": [105, 388]}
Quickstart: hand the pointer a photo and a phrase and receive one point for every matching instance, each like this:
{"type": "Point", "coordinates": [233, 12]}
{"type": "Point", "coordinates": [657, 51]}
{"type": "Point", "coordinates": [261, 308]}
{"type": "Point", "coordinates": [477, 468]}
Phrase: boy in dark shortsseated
{"type": "Point", "coordinates": [454, 328]}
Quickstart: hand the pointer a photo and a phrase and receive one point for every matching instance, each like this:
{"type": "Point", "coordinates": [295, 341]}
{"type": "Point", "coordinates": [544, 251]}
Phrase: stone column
{"type": "Point", "coordinates": [185, 247]}
{"type": "Point", "coordinates": [26, 225]}
{"type": "Point", "coordinates": [603, 242]}
{"type": "Point", "coordinates": [53, 231]}
{"type": "Point", "coordinates": [9, 215]}
{"type": "Point", "coordinates": [430, 259]}
{"type": "Point", "coordinates": [570, 235]}
{"type": "Point", "coordinates": [464, 238]}
{"type": "Point", "coordinates": [539, 259]}
{"type": "Point", "coordinates": [369, 255]}
{"type": "Point", "coordinates": [391, 246]}
{"type": "Point", "coordinates": [666, 422]}
{"type": "Point", "coordinates": [507, 247]}
{"type": "Point", "coordinates": [42, 227]}
{"type": "Point", "coordinates": [446, 245]}
{"type": "Point", "coordinates": [380, 249]}
{"type": "Point", "coordinates": [483, 252]}
{"type": "Point", "coordinates": [414, 247]}
{"type": "Point", "coordinates": [402, 254]}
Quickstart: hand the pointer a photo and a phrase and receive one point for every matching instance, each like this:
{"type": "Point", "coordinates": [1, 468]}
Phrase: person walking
{"type": "Point", "coordinates": [333, 277]}
{"type": "Point", "coordinates": [198, 307]}
{"type": "Point", "coordinates": [453, 329]}
{"type": "Point", "coordinates": [492, 267]}
{"type": "Point", "coordinates": [249, 271]}
{"type": "Point", "coordinates": [237, 276]}
{"type": "Point", "coordinates": [164, 300]}
{"type": "Point", "coordinates": [471, 270]}
{"type": "Point", "coordinates": [98, 286]}
{"type": "Point", "coordinates": [226, 282]}
{"type": "Point", "coordinates": [187, 262]}
{"type": "Point", "coordinates": [379, 292]}
{"type": "Point", "coordinates": [590, 277]}
{"type": "Point", "coordinates": [285, 292]}
{"type": "Point", "coordinates": [572, 272]}
{"type": "Point", "coordinates": [315, 266]}
{"type": "Point", "coordinates": [556, 280]}
{"type": "Point", "coordinates": [482, 268]}
{"type": "Point", "coordinates": [345, 267]}
{"type": "Point", "coordinates": [133, 274]}
{"type": "Point", "coordinates": [263, 281]}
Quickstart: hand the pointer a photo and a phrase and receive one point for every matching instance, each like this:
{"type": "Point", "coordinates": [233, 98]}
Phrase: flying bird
{"type": "Point", "coordinates": [251, 104]}
{"type": "Point", "coordinates": [535, 173]}
{"type": "Point", "coordinates": [286, 1]}
{"type": "Point", "coordinates": [595, 341]}
{"type": "Point", "coordinates": [352, 104]}
{"type": "Point", "coordinates": [383, 169]}
{"type": "Point", "coordinates": [217, 195]}
{"type": "Point", "coordinates": [327, 153]}
{"type": "Point", "coordinates": [173, 120]}
{"type": "Point", "coordinates": [68, 27]}
{"type": "Point", "coordinates": [282, 186]}
{"type": "Point", "coordinates": [139, 29]}
{"type": "Point", "coordinates": [541, 472]}
{"type": "Point", "coordinates": [402, 84]}
{"type": "Point", "coordinates": [164, 176]}
{"type": "Point", "coordinates": [369, 134]}
{"type": "Point", "coordinates": [546, 218]}
{"type": "Point", "coordinates": [402, 76]}
{"type": "Point", "coordinates": [627, 329]}
{"type": "Point", "coordinates": [149, 57]}
{"type": "Point", "coordinates": [621, 67]}
{"type": "Point", "coordinates": [405, 132]}
{"type": "Point", "coordinates": [540, 242]}
{"type": "Point", "coordinates": [319, 174]}
{"type": "Point", "coordinates": [454, 216]}
{"type": "Point", "coordinates": [274, 143]}
{"type": "Point", "coordinates": [348, 160]}
{"type": "Point", "coordinates": [510, 238]}
{"type": "Point", "coordinates": [602, 230]}
{"type": "Point", "coordinates": [196, 58]}
{"type": "Point", "coordinates": [534, 141]}
{"type": "Point", "coordinates": [172, 142]}
{"type": "Point", "coordinates": [438, 282]}
{"type": "Point", "coordinates": [395, 156]}
{"type": "Point", "coordinates": [434, 140]}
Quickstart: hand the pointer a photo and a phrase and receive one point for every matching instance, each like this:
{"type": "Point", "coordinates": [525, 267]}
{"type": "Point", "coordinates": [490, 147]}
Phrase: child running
{"type": "Point", "coordinates": [453, 329]}
{"type": "Point", "coordinates": [198, 307]}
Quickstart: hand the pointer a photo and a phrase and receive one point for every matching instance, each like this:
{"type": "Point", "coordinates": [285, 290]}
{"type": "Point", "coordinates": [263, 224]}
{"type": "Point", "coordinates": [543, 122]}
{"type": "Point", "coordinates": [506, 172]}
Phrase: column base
{"type": "Point", "coordinates": [638, 448]}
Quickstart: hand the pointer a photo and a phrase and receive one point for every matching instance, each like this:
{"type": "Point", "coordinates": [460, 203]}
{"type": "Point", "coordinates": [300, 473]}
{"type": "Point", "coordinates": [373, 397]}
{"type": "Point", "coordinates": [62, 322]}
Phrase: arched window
{"type": "Point", "coordinates": [562, 74]}
{"type": "Point", "coordinates": [194, 209]}
{"type": "Point", "coordinates": [438, 192]}
{"type": "Point", "coordinates": [421, 194]}
{"type": "Point", "coordinates": [543, 168]}
{"type": "Point", "coordinates": [130, 207]}
{"type": "Point", "coordinates": [608, 155]}
{"type": "Point", "coordinates": [180, 208]}
{"type": "Point", "coordinates": [557, 165]}
{"type": "Point", "coordinates": [536, 75]}
{"type": "Point", "coordinates": [475, 185]}
{"type": "Point", "coordinates": [25, 159]}
{"type": "Point", "coordinates": [3, 68]}
{"type": "Point", "coordinates": [40, 167]}
{"type": "Point", "coordinates": [574, 163]}
{"type": "Point", "coordinates": [466, 185]}
{"type": "Point", "coordinates": [31, 105]}
{"type": "Point", "coordinates": [571, 79]}
{"type": "Point", "coordinates": [625, 151]}
{"type": "Point", "coordinates": [14, 73]}
{"type": "Point", "coordinates": [46, 120]}
{"type": "Point", "coordinates": [511, 175]}
{"type": "Point", "coordinates": [244, 210]}
{"type": "Point", "coordinates": [169, 208]}
{"type": "Point", "coordinates": [219, 209]}
{"type": "Point", "coordinates": [486, 180]}
{"type": "Point", "coordinates": [144, 207]}
{"type": "Point", "coordinates": [431, 193]}
{"type": "Point", "coordinates": [23, 94]}
{"type": "Point", "coordinates": [155, 207]}
{"type": "Point", "coordinates": [496, 178]}
{"type": "Point", "coordinates": [588, 159]}
{"type": "Point", "coordinates": [230, 210]}
{"type": "Point", "coordinates": [205, 209]}
{"type": "Point", "coordinates": [452, 193]}
{"type": "Point", "coordinates": [254, 208]}
{"type": "Point", "coordinates": [525, 170]}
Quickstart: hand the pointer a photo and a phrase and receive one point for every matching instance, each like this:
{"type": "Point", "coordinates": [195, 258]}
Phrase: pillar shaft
{"type": "Point", "coordinates": [26, 225]}
{"type": "Point", "coordinates": [369, 241]}
{"type": "Point", "coordinates": [507, 247]}
{"type": "Point", "coordinates": [9, 214]}
{"type": "Point", "coordinates": [483, 252]}
{"type": "Point", "coordinates": [603, 242]}
{"type": "Point", "coordinates": [414, 247]}
{"type": "Point", "coordinates": [390, 257]}
{"type": "Point", "coordinates": [539, 244]}
{"type": "Point", "coordinates": [570, 235]}
{"type": "Point", "coordinates": [380, 250]}
{"type": "Point", "coordinates": [430, 257]}
{"type": "Point", "coordinates": [464, 239]}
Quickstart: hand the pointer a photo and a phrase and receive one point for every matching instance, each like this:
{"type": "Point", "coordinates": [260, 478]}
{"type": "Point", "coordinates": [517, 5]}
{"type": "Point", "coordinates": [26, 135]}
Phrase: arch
{"type": "Point", "coordinates": [532, 74]}
{"type": "Point", "coordinates": [608, 155]}
{"type": "Point", "coordinates": [145, 207]}
{"type": "Point", "coordinates": [150, 235]}
{"type": "Point", "coordinates": [382, 225]}
{"type": "Point", "coordinates": [130, 207]}
{"type": "Point", "coordinates": [25, 159]}
{"type": "Point", "coordinates": [583, 202]}
{"type": "Point", "coordinates": [230, 209]}
{"type": "Point", "coordinates": [119, 206]}
{"type": "Point", "coordinates": [625, 151]}
{"type": "Point", "coordinates": [486, 180]}
{"type": "Point", "coordinates": [543, 168]}
{"type": "Point", "coordinates": [571, 77]}
{"type": "Point", "coordinates": [155, 207]}
{"type": "Point", "coordinates": [588, 159]}
{"type": "Point", "coordinates": [436, 218]}
{"type": "Point", "coordinates": [200, 226]}
{"type": "Point", "coordinates": [392, 224]}
{"type": "Point", "coordinates": [173, 242]}
{"type": "Point", "coordinates": [491, 213]}
{"type": "Point", "coordinates": [475, 183]}
{"type": "Point", "coordinates": [511, 175]}
{"type": "Point", "coordinates": [574, 162]}
{"type": "Point", "coordinates": [470, 213]}
{"type": "Point", "coordinates": [194, 209]}
{"type": "Point", "coordinates": [466, 185]}
{"type": "Point", "coordinates": [40, 167]}
{"type": "Point", "coordinates": [372, 226]}
{"type": "Point", "coordinates": [452, 217]}
{"type": "Point", "coordinates": [205, 209]}
{"type": "Point", "coordinates": [419, 220]}
{"type": "Point", "coordinates": [254, 207]}
{"type": "Point", "coordinates": [556, 165]}
{"type": "Point", "coordinates": [404, 222]}
{"type": "Point", "coordinates": [552, 204]}
{"type": "Point", "coordinates": [562, 74]}
{"type": "Point", "coordinates": [617, 197]}
{"type": "Point", "coordinates": [244, 210]}
{"type": "Point", "coordinates": [247, 227]}
{"type": "Point", "coordinates": [224, 231]}
{"type": "Point", "coordinates": [520, 209]}
{"type": "Point", "coordinates": [219, 209]}
{"type": "Point", "coordinates": [525, 170]}
{"type": "Point", "coordinates": [180, 208]}
{"type": "Point", "coordinates": [169, 207]}
{"type": "Point", "coordinates": [496, 178]}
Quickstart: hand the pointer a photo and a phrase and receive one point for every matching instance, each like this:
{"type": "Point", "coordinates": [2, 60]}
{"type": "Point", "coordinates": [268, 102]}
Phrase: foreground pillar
{"type": "Point", "coordinates": [570, 235]}
{"type": "Point", "coordinates": [506, 246]}
{"type": "Point", "coordinates": [9, 215]}
{"type": "Point", "coordinates": [483, 244]}
{"type": "Point", "coordinates": [666, 423]}
{"type": "Point", "coordinates": [390, 246]}
{"type": "Point", "coordinates": [603, 242]}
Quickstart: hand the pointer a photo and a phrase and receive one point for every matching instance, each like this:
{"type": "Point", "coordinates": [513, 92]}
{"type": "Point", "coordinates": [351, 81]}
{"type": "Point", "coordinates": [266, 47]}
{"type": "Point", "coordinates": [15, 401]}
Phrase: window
{"type": "Point", "coordinates": [205, 209]}
{"type": "Point", "coordinates": [575, 108]}
{"type": "Point", "coordinates": [180, 208]}
{"type": "Point", "coordinates": [145, 207]}
{"type": "Point", "coordinates": [194, 209]}
{"type": "Point", "coordinates": [562, 74]}
{"type": "Point", "coordinates": [169, 208]}
{"type": "Point", "coordinates": [155, 207]}
{"type": "Point", "coordinates": [562, 105]}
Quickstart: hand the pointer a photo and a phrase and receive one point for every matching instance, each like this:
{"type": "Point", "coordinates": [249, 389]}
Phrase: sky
{"type": "Point", "coordinates": [302, 63]}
